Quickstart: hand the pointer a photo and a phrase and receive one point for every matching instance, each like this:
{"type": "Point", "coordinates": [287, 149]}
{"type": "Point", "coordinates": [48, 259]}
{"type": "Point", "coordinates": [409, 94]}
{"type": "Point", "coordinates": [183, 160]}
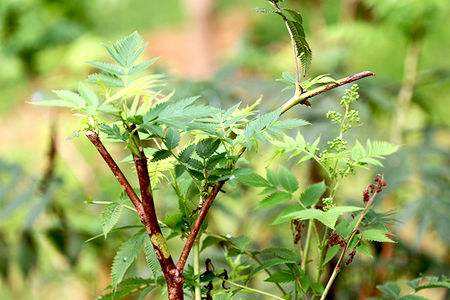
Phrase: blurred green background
{"type": "Point", "coordinates": [226, 51]}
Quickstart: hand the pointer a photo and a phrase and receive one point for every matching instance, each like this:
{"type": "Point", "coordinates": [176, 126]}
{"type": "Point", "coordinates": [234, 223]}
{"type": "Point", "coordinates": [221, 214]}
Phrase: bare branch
{"type": "Point", "coordinates": [123, 181]}
{"type": "Point", "coordinates": [198, 224]}
{"type": "Point", "coordinates": [303, 98]}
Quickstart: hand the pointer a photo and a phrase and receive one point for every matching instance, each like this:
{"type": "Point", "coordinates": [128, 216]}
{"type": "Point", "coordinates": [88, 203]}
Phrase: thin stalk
{"type": "Point", "coordinates": [307, 243]}
{"type": "Point", "coordinates": [323, 251]}
{"type": "Point", "coordinates": [253, 290]}
{"type": "Point", "coordinates": [196, 250]}
{"type": "Point", "coordinates": [337, 268]}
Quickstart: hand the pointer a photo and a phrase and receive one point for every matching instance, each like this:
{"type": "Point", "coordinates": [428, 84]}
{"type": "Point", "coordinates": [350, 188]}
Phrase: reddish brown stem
{"type": "Point", "coordinates": [146, 212]}
{"type": "Point", "coordinates": [198, 224]}
{"type": "Point", "coordinates": [173, 277]}
{"type": "Point", "coordinates": [123, 181]}
{"type": "Point", "coordinates": [303, 97]}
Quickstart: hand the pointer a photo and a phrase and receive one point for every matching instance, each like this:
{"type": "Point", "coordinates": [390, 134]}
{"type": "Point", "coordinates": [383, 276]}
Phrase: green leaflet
{"type": "Point", "coordinates": [127, 287]}
{"type": "Point", "coordinates": [328, 218]}
{"type": "Point", "coordinates": [172, 138]}
{"type": "Point", "coordinates": [311, 195]}
{"type": "Point", "coordinates": [287, 180]}
{"type": "Point", "coordinates": [127, 50]}
{"type": "Point", "coordinates": [250, 178]}
{"type": "Point", "coordinates": [179, 113]}
{"type": "Point", "coordinates": [113, 132]}
{"type": "Point", "coordinates": [150, 257]}
{"type": "Point", "coordinates": [161, 154]}
{"type": "Point", "coordinates": [110, 217]}
{"type": "Point", "coordinates": [373, 152]}
{"type": "Point", "coordinates": [390, 289]}
{"type": "Point", "coordinates": [125, 257]}
{"type": "Point", "coordinates": [376, 235]}
{"type": "Point", "coordinates": [297, 32]}
{"type": "Point", "coordinates": [206, 148]}
{"type": "Point", "coordinates": [274, 199]}
{"type": "Point", "coordinates": [331, 252]}
{"type": "Point", "coordinates": [186, 153]}
{"type": "Point", "coordinates": [284, 253]}
{"type": "Point", "coordinates": [257, 125]}
{"type": "Point", "coordinates": [283, 276]}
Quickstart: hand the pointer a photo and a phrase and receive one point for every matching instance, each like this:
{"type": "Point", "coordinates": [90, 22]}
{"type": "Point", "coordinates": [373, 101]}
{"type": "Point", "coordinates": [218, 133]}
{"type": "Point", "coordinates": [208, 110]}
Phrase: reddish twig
{"type": "Point", "coordinates": [207, 202]}
{"type": "Point", "coordinates": [147, 213]}
{"type": "Point", "coordinates": [303, 97]}
{"type": "Point", "coordinates": [123, 181]}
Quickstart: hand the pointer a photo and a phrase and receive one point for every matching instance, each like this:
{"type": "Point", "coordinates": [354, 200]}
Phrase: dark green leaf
{"type": "Point", "coordinates": [195, 164]}
{"type": "Point", "coordinates": [186, 153]}
{"type": "Point", "coordinates": [196, 174]}
{"type": "Point", "coordinates": [28, 252]}
{"type": "Point", "coordinates": [205, 148]}
{"type": "Point", "coordinates": [161, 154]}
{"type": "Point", "coordinates": [287, 180]}
{"type": "Point", "coordinates": [281, 277]}
{"type": "Point", "coordinates": [179, 170]}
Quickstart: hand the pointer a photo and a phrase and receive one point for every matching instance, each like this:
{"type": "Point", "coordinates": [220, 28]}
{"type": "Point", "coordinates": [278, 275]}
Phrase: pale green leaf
{"type": "Point", "coordinates": [329, 218]}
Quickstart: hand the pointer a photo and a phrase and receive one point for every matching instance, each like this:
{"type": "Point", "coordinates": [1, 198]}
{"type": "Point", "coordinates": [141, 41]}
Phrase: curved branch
{"type": "Point", "coordinates": [303, 97]}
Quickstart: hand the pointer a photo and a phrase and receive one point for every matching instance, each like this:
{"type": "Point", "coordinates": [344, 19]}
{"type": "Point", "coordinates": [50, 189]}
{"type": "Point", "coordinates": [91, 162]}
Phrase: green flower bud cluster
{"type": "Point", "coordinates": [350, 96]}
